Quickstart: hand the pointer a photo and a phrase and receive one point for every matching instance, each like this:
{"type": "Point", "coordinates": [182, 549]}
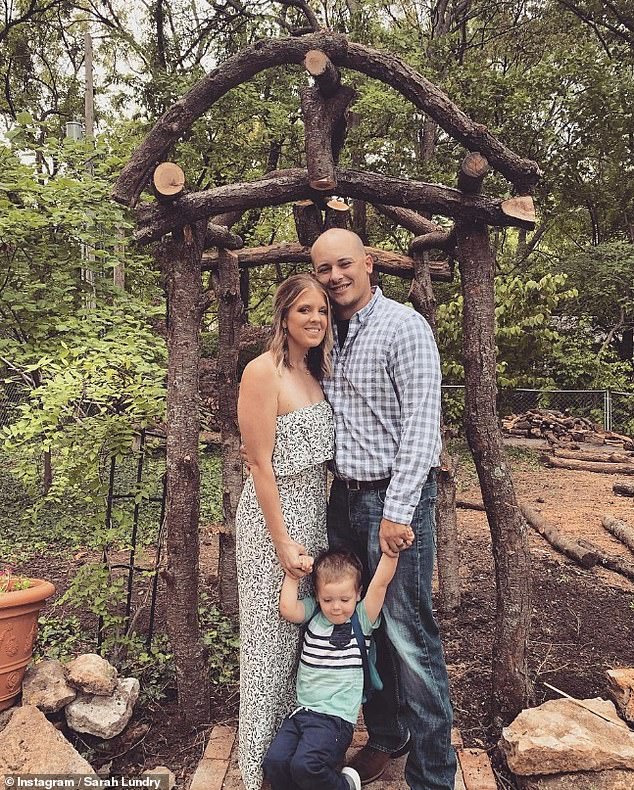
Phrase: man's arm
{"type": "Point", "coordinates": [377, 588]}
{"type": "Point", "coordinates": [415, 371]}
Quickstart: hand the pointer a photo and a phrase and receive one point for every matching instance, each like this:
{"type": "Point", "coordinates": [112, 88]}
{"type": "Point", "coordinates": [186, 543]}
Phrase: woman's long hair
{"type": "Point", "coordinates": [318, 360]}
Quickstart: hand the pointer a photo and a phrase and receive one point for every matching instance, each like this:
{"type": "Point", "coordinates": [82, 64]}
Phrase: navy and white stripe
{"type": "Point", "coordinates": [385, 394]}
{"type": "Point", "coordinates": [319, 653]}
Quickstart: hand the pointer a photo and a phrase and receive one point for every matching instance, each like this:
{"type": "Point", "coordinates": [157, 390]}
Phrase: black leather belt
{"type": "Point", "coordinates": [365, 485]}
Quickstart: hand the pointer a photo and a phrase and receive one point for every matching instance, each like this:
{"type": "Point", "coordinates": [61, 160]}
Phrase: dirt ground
{"type": "Point", "coordinates": [582, 621]}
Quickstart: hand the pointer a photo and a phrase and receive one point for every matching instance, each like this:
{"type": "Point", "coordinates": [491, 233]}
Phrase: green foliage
{"type": "Point", "coordinates": [220, 636]}
{"type": "Point", "coordinates": [61, 638]}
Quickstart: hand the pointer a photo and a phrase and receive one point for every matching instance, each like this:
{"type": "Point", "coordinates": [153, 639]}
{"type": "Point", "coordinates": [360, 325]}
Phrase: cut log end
{"type": "Point", "coordinates": [325, 184]}
{"type": "Point", "coordinates": [168, 180]}
{"type": "Point", "coordinates": [316, 62]}
{"type": "Point", "coordinates": [521, 208]}
{"type": "Point", "coordinates": [338, 205]}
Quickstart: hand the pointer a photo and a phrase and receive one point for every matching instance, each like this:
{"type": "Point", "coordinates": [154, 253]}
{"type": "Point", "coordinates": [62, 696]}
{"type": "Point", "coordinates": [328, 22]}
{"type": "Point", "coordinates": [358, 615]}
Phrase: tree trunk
{"type": "Point", "coordinates": [511, 685]}
{"type": "Point", "coordinates": [180, 259]}
{"type": "Point", "coordinates": [229, 323]}
{"type": "Point", "coordinates": [422, 298]}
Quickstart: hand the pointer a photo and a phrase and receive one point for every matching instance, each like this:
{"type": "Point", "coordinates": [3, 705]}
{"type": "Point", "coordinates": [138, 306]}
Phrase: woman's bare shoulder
{"type": "Point", "coordinates": [261, 368]}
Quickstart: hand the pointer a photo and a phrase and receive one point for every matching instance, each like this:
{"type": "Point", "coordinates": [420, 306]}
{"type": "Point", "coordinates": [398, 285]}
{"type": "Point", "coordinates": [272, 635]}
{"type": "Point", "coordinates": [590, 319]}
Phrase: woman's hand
{"type": "Point", "coordinates": [290, 555]}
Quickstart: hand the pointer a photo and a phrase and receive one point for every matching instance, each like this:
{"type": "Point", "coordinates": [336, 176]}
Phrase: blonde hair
{"type": "Point", "coordinates": [319, 361]}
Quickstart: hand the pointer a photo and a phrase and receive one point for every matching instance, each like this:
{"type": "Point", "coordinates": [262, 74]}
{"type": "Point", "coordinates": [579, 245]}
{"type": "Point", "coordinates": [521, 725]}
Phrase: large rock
{"type": "Point", "coordinates": [30, 744]}
{"type": "Point", "coordinates": [580, 780]}
{"type": "Point", "coordinates": [45, 687]}
{"type": "Point", "coordinates": [621, 688]}
{"type": "Point", "coordinates": [92, 674]}
{"type": "Point", "coordinates": [561, 737]}
{"type": "Point", "coordinates": [104, 716]}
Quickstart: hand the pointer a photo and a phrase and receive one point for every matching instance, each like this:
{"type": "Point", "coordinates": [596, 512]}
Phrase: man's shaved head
{"type": "Point", "coordinates": [343, 267]}
{"type": "Point", "coordinates": [340, 238]}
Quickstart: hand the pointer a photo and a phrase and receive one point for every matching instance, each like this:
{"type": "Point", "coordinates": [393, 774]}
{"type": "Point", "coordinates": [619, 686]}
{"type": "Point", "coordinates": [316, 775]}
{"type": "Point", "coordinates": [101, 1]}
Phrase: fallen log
{"type": "Point", "coordinates": [620, 529]}
{"type": "Point", "coordinates": [610, 561]}
{"type": "Point", "coordinates": [588, 455]}
{"type": "Point", "coordinates": [584, 556]}
{"type": "Point", "coordinates": [623, 489]}
{"type": "Point", "coordinates": [588, 466]}
{"type": "Point", "coordinates": [469, 505]}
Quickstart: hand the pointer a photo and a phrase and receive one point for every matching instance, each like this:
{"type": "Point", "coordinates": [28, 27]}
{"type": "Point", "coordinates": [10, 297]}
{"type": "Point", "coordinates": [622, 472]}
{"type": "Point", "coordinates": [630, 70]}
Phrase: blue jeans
{"type": "Point", "coordinates": [307, 751]}
{"type": "Point", "coordinates": [415, 699]}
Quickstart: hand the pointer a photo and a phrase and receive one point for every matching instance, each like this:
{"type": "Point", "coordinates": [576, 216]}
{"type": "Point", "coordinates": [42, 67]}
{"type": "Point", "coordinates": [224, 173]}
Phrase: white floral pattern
{"type": "Point", "coordinates": [269, 646]}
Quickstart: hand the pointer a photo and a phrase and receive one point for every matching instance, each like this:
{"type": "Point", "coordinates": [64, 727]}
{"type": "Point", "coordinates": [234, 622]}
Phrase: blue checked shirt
{"type": "Point", "coordinates": [385, 394]}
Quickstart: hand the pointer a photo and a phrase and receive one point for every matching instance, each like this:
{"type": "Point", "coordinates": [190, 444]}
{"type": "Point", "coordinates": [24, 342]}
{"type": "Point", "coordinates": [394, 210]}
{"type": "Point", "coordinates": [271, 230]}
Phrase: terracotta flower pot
{"type": "Point", "coordinates": [19, 610]}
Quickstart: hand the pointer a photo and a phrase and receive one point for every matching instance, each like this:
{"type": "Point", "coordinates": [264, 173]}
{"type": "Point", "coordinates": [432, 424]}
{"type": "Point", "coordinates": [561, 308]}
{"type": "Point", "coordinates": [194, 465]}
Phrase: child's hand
{"type": "Point", "coordinates": [306, 563]}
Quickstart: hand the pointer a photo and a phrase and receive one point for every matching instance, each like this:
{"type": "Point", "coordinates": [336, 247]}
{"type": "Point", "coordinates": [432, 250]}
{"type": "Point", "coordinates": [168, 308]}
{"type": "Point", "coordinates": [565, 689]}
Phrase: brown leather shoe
{"type": "Point", "coordinates": [369, 763]}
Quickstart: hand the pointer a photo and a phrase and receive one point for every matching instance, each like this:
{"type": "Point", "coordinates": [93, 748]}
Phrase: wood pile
{"type": "Point", "coordinates": [558, 429]}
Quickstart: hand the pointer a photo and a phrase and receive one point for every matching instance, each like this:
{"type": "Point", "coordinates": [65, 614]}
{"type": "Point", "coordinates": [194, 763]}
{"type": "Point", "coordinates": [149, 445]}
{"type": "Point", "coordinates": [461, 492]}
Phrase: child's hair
{"type": "Point", "coordinates": [332, 565]}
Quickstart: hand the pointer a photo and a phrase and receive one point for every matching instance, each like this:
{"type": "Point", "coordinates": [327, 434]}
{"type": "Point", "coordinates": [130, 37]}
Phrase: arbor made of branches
{"type": "Point", "coordinates": [201, 220]}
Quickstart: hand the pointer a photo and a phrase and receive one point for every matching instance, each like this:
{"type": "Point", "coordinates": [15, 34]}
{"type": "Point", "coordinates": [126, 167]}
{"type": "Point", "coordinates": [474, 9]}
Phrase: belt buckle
{"type": "Point", "coordinates": [353, 485]}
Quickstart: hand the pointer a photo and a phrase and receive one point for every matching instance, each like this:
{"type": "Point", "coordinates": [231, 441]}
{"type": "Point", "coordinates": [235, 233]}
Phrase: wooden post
{"type": "Point", "coordinates": [324, 72]}
{"type": "Point", "coordinates": [229, 321]}
{"type": "Point", "coordinates": [308, 222]}
{"type": "Point", "coordinates": [510, 681]}
{"type": "Point", "coordinates": [322, 118]}
{"type": "Point", "coordinates": [337, 215]}
{"type": "Point", "coordinates": [422, 298]}
{"type": "Point", "coordinates": [180, 260]}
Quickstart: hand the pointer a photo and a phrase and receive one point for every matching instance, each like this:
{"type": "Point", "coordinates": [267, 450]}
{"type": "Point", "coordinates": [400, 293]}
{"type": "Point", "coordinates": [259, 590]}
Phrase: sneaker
{"type": "Point", "coordinates": [352, 778]}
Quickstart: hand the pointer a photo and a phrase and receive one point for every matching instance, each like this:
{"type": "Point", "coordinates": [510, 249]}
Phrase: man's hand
{"type": "Point", "coordinates": [393, 537]}
{"type": "Point", "coordinates": [292, 557]}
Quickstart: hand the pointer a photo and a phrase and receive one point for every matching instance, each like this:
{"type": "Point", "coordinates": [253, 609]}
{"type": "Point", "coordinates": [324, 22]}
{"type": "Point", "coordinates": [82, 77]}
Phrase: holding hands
{"type": "Point", "coordinates": [293, 558]}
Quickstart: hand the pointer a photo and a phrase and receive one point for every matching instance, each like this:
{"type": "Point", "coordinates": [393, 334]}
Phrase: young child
{"type": "Point", "coordinates": [313, 740]}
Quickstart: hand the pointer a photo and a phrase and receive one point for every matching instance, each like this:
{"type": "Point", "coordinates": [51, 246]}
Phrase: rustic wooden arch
{"type": "Point", "coordinates": [187, 224]}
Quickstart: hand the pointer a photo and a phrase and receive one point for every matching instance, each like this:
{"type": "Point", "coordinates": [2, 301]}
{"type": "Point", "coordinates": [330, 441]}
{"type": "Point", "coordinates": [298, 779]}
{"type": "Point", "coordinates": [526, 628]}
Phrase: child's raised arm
{"type": "Point", "coordinates": [377, 588]}
{"type": "Point", "coordinates": [291, 608]}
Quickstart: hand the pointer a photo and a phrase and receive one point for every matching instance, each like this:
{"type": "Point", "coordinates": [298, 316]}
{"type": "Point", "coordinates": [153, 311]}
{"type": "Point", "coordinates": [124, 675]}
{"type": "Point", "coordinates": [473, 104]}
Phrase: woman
{"type": "Point", "coordinates": [288, 435]}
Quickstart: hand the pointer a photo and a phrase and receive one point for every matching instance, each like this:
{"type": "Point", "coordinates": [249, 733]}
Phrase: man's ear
{"type": "Point", "coordinates": [369, 263]}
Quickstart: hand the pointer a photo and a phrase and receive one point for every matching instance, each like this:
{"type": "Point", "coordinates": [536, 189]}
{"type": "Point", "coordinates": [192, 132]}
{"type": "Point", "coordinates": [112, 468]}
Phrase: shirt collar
{"type": "Point", "coordinates": [366, 311]}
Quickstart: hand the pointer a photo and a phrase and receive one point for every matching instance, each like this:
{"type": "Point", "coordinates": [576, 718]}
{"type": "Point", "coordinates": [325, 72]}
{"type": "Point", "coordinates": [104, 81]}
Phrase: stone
{"type": "Point", "coordinates": [621, 689]}
{"type": "Point", "coordinates": [92, 674]}
{"type": "Point", "coordinates": [579, 780]}
{"type": "Point", "coordinates": [45, 686]}
{"type": "Point", "coordinates": [560, 736]}
{"type": "Point", "coordinates": [30, 744]}
{"type": "Point", "coordinates": [102, 716]}
{"type": "Point", "coordinates": [168, 780]}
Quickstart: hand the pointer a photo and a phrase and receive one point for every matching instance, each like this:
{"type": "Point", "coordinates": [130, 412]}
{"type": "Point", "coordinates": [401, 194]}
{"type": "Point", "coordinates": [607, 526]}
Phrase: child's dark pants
{"type": "Point", "coordinates": [307, 751]}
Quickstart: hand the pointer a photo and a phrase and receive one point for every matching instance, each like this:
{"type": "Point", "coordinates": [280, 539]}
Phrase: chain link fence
{"type": "Point", "coordinates": [613, 410]}
{"type": "Point", "coordinates": [11, 395]}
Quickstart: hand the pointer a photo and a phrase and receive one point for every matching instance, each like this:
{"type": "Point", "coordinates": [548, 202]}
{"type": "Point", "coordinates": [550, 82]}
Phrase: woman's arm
{"type": "Point", "coordinates": [257, 413]}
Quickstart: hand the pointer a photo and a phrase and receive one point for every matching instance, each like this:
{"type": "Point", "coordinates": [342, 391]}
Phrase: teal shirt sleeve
{"type": "Point", "coordinates": [310, 604]}
{"type": "Point", "coordinates": [366, 626]}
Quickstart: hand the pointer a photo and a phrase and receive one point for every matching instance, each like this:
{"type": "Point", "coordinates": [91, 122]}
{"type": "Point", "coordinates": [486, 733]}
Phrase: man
{"type": "Point", "coordinates": [385, 394]}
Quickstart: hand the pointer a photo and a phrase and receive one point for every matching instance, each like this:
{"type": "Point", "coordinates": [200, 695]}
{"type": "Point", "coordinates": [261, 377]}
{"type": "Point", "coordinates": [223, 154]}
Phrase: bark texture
{"type": "Point", "coordinates": [154, 221]}
{"type": "Point", "coordinates": [511, 684]}
{"type": "Point", "coordinates": [180, 260]}
{"type": "Point", "coordinates": [423, 300]}
{"type": "Point", "coordinates": [229, 324]}
{"type": "Point", "coordinates": [523, 173]}
{"type": "Point", "coordinates": [308, 222]}
{"type": "Point", "coordinates": [324, 133]}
